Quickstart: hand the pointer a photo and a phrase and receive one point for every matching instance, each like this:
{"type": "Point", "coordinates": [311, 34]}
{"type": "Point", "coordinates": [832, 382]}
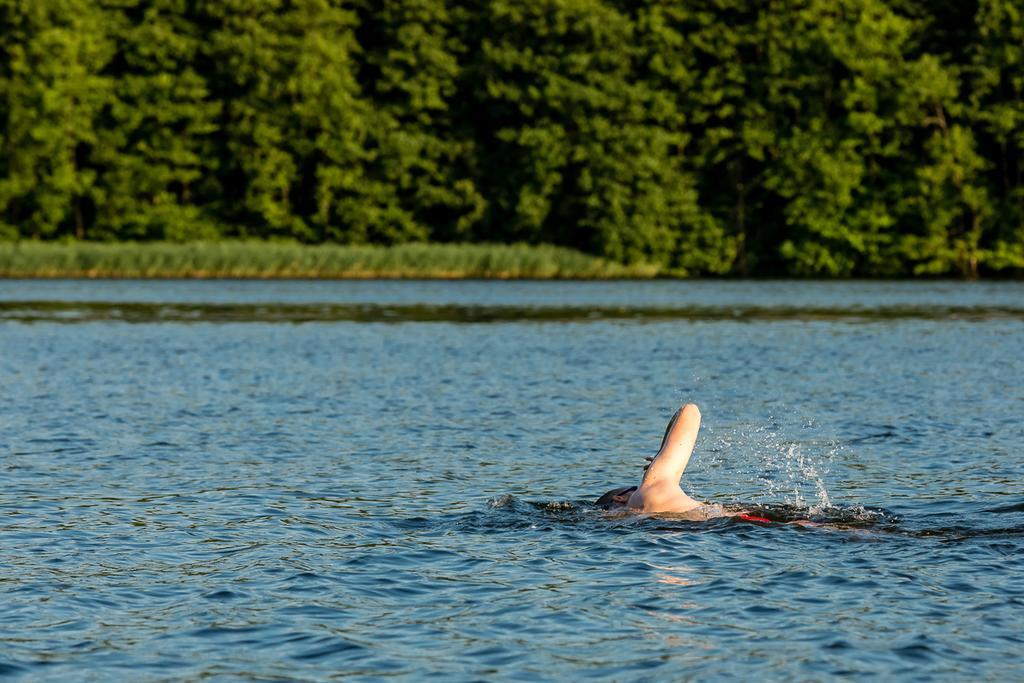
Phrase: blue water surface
{"type": "Point", "coordinates": [380, 496]}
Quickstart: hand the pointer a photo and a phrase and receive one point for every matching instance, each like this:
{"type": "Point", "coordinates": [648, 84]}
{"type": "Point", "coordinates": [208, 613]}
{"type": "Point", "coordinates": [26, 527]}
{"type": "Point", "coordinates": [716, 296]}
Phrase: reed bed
{"type": "Point", "coordinates": [258, 259]}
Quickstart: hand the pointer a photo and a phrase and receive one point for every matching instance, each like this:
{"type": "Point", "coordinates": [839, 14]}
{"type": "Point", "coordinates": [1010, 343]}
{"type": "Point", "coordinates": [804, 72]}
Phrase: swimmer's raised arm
{"type": "Point", "coordinates": [676, 447]}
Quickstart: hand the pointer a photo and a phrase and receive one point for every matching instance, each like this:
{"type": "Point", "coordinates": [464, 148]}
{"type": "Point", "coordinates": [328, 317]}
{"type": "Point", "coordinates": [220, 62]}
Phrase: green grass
{"type": "Point", "coordinates": [255, 259]}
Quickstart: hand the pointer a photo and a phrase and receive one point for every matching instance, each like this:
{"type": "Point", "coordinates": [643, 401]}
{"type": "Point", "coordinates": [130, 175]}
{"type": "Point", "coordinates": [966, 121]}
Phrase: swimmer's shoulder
{"type": "Point", "coordinates": [661, 497]}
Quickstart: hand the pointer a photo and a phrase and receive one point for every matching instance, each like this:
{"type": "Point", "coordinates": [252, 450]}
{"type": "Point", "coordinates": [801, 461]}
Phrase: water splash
{"type": "Point", "coordinates": [797, 471]}
{"type": "Point", "coordinates": [780, 470]}
{"type": "Point", "coordinates": [805, 469]}
{"type": "Point", "coordinates": [837, 516]}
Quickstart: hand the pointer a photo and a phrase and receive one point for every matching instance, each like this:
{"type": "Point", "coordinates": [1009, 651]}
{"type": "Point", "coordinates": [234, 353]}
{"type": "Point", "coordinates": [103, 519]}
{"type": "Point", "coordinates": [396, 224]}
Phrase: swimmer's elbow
{"type": "Point", "coordinates": [691, 410]}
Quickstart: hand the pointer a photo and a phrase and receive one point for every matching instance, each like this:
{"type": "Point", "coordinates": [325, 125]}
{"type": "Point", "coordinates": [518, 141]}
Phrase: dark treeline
{"type": "Point", "coordinates": [831, 137]}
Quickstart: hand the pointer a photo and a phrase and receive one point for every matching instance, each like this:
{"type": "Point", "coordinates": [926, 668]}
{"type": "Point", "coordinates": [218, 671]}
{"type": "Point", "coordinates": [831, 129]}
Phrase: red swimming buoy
{"type": "Point", "coordinates": [754, 518]}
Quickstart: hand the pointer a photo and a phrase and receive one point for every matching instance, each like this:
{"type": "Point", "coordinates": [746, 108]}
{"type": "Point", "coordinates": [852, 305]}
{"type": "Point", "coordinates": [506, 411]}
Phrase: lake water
{"type": "Point", "coordinates": [367, 480]}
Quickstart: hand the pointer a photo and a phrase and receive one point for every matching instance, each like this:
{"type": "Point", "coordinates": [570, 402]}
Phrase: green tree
{"type": "Point", "coordinates": [156, 162]}
{"type": "Point", "coordinates": [52, 53]}
{"type": "Point", "coordinates": [997, 116]}
{"type": "Point", "coordinates": [710, 55]}
{"type": "Point", "coordinates": [295, 126]}
{"type": "Point", "coordinates": [579, 150]}
{"type": "Point", "coordinates": [946, 212]}
{"type": "Point", "coordinates": [843, 134]}
{"type": "Point", "coordinates": [410, 72]}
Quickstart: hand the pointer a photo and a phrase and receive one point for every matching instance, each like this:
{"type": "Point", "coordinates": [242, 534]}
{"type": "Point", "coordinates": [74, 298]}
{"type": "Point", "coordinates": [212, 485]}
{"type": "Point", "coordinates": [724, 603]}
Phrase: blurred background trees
{"type": "Point", "coordinates": [819, 137]}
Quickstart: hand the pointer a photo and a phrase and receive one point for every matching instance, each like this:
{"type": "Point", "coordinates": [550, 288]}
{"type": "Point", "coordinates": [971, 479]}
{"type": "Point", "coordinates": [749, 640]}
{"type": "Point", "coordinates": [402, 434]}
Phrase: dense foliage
{"type": "Point", "coordinates": [810, 137]}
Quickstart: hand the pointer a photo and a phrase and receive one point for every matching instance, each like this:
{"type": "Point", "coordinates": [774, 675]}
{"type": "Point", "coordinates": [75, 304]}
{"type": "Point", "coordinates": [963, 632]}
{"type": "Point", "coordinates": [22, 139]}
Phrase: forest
{"type": "Point", "coordinates": [833, 138]}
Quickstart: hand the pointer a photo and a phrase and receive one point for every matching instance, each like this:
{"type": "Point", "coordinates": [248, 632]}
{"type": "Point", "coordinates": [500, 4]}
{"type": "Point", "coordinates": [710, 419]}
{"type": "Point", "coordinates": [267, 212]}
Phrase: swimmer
{"type": "Point", "coordinates": [659, 490]}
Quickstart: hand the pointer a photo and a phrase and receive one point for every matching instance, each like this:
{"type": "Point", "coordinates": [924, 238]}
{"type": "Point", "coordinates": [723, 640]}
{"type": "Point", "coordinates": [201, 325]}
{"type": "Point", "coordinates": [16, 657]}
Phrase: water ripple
{"type": "Point", "coordinates": [204, 499]}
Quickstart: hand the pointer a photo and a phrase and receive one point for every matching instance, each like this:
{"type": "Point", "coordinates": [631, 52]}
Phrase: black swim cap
{"type": "Point", "coordinates": [606, 501]}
